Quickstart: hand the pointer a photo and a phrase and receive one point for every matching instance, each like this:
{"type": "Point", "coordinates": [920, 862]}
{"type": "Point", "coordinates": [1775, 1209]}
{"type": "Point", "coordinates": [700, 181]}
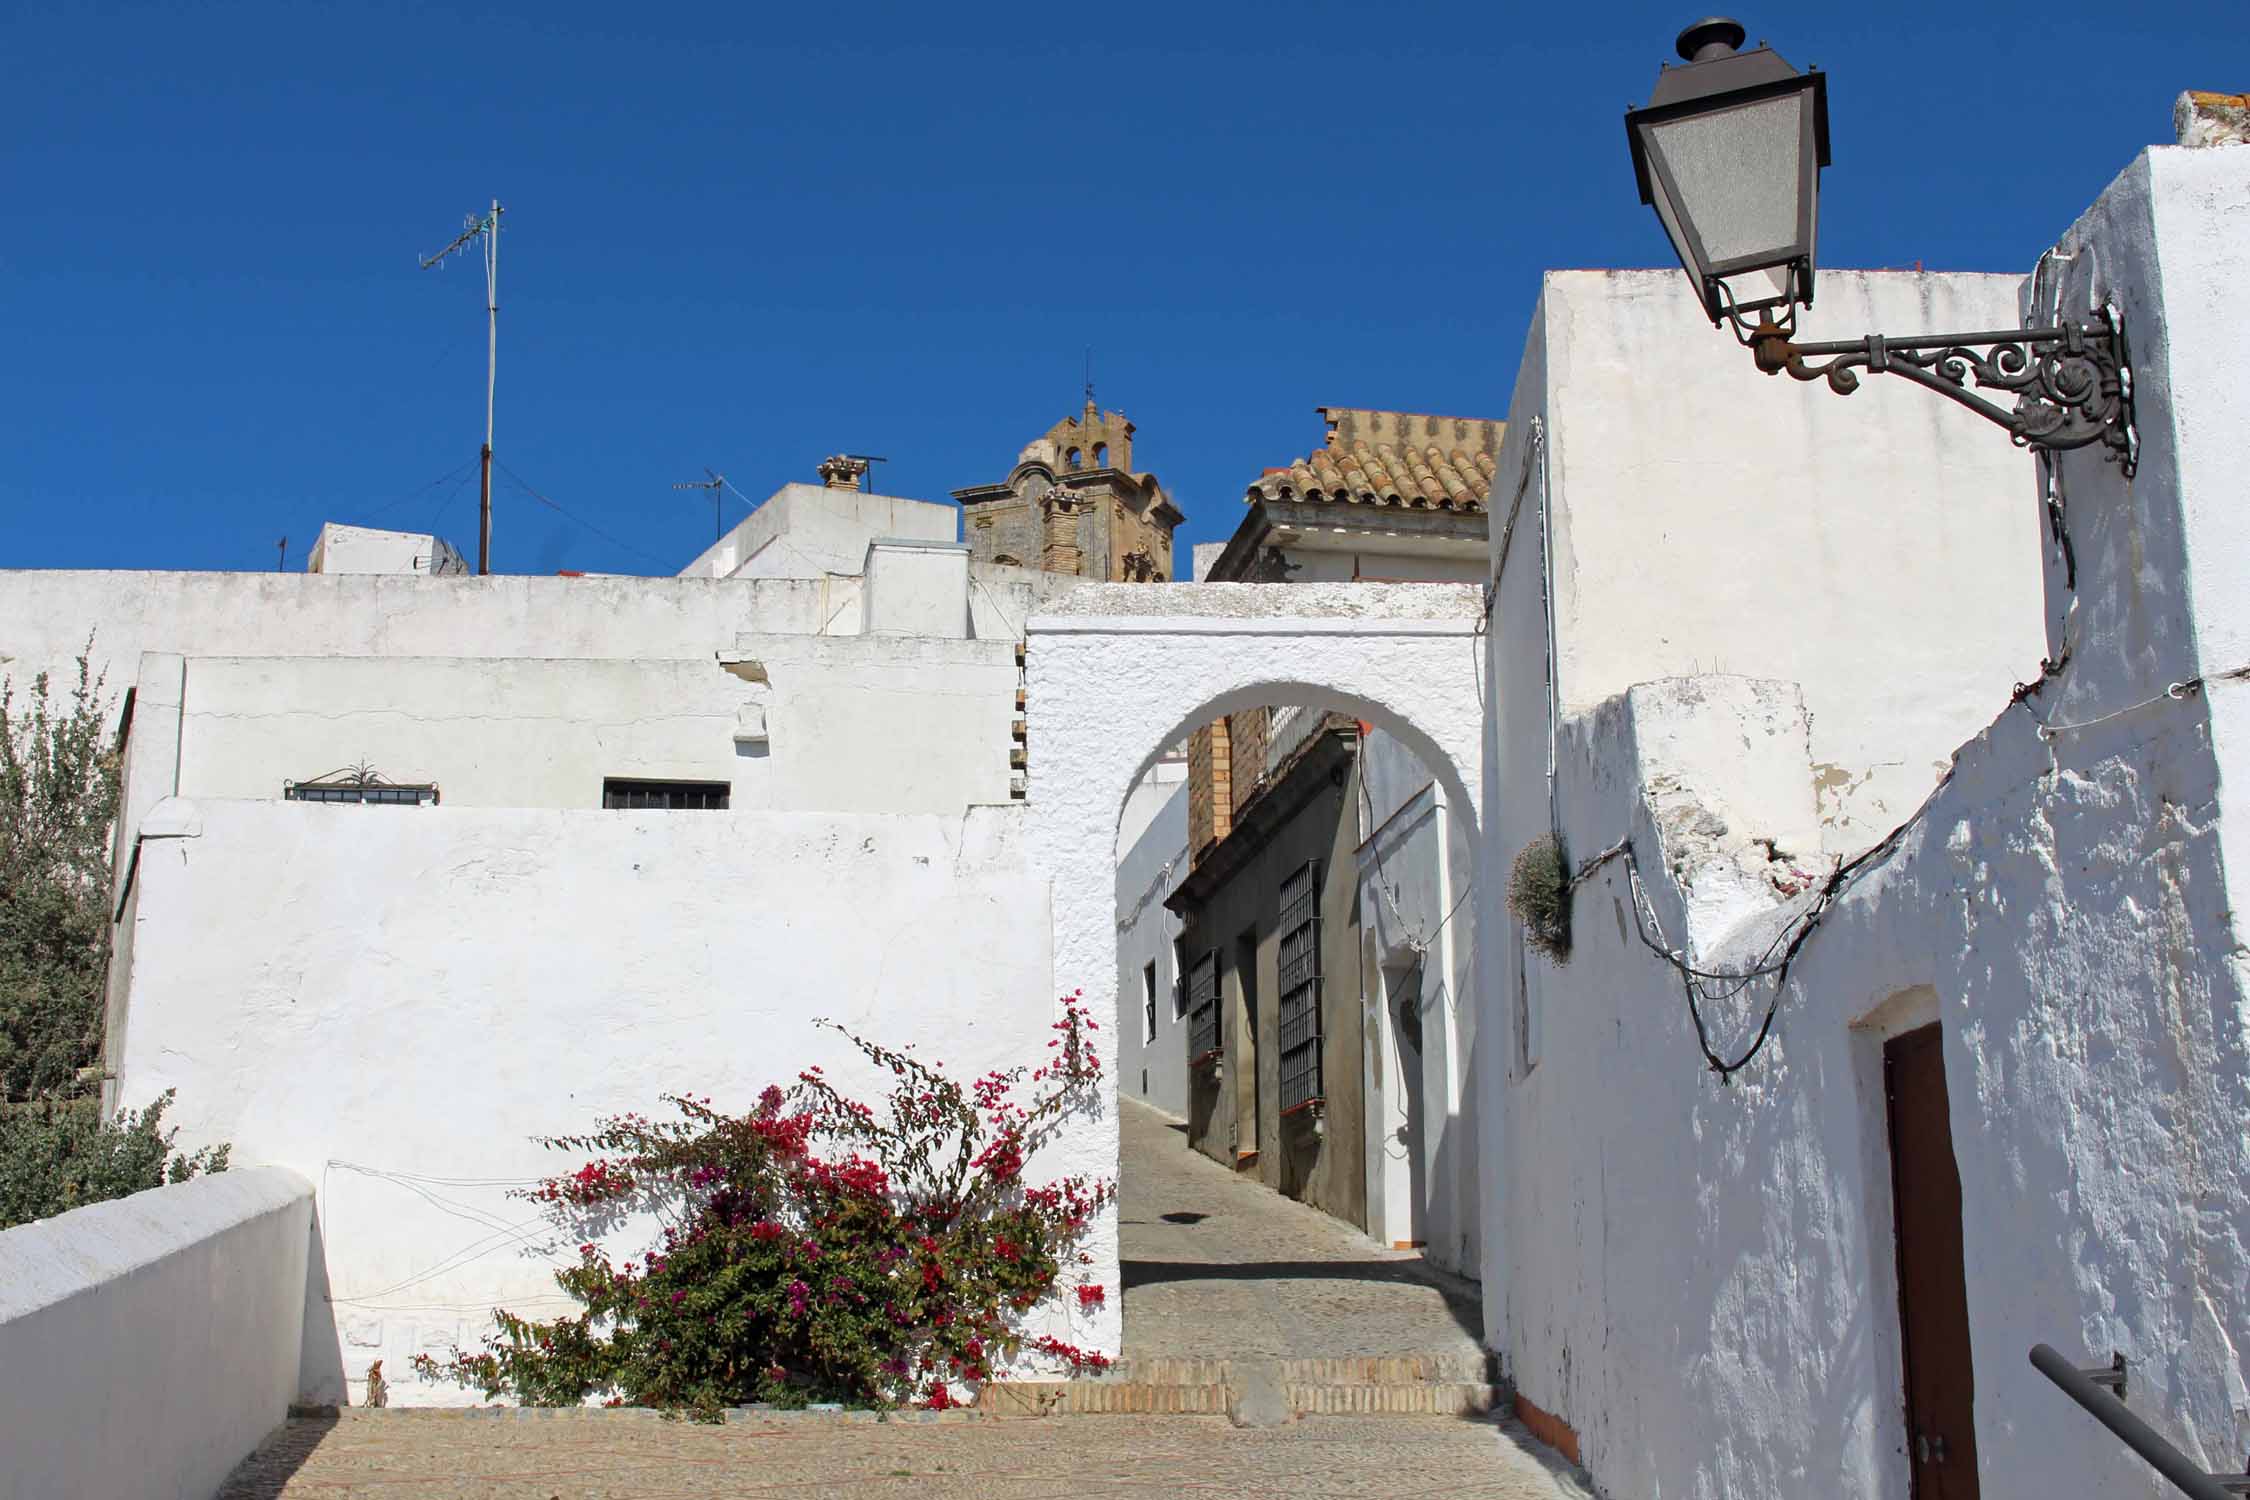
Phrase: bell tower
{"type": "Point", "coordinates": [1074, 504]}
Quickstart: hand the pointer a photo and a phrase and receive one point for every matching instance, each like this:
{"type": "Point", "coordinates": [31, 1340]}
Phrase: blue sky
{"type": "Point", "coordinates": [747, 236]}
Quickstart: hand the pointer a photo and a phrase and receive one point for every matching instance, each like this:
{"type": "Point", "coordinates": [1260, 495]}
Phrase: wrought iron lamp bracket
{"type": "Point", "coordinates": [2073, 382]}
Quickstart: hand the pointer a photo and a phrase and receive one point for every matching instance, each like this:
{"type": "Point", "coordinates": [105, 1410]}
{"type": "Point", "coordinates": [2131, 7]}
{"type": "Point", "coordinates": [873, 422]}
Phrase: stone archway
{"type": "Point", "coordinates": [1115, 673]}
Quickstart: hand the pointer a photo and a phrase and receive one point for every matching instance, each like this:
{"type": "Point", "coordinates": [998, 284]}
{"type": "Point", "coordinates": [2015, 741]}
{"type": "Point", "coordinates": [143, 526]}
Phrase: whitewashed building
{"type": "Point", "coordinates": [1897, 773]}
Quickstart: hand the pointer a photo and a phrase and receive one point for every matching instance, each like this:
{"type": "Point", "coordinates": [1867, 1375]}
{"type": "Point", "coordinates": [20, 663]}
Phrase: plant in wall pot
{"type": "Point", "coordinates": [814, 1249]}
{"type": "Point", "coordinates": [1539, 889]}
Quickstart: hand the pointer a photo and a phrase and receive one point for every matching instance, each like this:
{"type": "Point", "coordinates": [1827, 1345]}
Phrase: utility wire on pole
{"type": "Point", "coordinates": [485, 227]}
{"type": "Point", "coordinates": [716, 484]}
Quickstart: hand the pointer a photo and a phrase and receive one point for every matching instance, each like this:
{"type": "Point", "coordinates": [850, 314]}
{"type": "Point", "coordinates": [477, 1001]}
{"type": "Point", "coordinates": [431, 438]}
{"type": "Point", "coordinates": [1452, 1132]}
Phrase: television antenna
{"type": "Point", "coordinates": [716, 484]}
{"type": "Point", "coordinates": [484, 227]}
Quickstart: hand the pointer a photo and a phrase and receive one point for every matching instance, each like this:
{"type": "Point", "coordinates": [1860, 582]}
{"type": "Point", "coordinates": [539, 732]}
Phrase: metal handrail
{"type": "Point", "coordinates": [2104, 1406]}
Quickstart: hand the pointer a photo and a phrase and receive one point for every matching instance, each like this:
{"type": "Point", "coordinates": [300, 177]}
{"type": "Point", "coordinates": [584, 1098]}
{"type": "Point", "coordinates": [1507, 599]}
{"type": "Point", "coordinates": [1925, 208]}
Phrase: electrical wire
{"type": "Point", "coordinates": [390, 505]}
{"type": "Point", "coordinates": [518, 481]}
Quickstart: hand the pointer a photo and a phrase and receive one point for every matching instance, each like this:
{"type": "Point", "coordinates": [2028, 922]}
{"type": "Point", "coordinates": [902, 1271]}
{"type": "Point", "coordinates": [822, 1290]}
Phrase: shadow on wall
{"type": "Point", "coordinates": [320, 1362]}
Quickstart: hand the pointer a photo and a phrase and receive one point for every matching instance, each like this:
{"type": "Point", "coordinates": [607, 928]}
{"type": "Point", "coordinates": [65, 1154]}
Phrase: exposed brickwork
{"type": "Point", "coordinates": [1210, 787]}
{"type": "Point", "coordinates": [1248, 734]}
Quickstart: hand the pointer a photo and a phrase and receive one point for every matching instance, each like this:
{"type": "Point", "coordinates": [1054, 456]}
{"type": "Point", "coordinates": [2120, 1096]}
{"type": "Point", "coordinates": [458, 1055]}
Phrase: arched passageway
{"type": "Point", "coordinates": [1119, 673]}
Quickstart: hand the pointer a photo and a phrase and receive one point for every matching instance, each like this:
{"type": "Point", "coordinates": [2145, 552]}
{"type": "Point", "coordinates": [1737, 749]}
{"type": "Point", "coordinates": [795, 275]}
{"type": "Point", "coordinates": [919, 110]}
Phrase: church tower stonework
{"type": "Point", "coordinates": [1074, 504]}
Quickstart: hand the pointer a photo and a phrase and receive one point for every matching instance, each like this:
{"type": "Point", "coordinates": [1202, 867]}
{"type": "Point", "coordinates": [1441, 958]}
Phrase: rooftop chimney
{"type": "Point", "coordinates": [841, 471]}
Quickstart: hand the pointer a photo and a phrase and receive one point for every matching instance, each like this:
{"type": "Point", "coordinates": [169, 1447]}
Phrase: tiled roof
{"type": "Point", "coordinates": [1419, 478]}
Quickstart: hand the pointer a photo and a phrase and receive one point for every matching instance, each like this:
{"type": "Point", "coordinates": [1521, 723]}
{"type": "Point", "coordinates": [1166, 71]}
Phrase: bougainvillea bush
{"type": "Point", "coordinates": [814, 1249]}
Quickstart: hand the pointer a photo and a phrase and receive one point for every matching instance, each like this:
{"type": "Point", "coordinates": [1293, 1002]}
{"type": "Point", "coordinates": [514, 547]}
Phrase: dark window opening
{"type": "Point", "coordinates": [1179, 980]}
{"type": "Point", "coordinates": [1070, 459]}
{"type": "Point", "coordinates": [377, 796]}
{"type": "Point", "coordinates": [671, 796]}
{"type": "Point", "coordinates": [361, 784]}
{"type": "Point", "coordinates": [1300, 988]}
{"type": "Point", "coordinates": [1148, 1003]}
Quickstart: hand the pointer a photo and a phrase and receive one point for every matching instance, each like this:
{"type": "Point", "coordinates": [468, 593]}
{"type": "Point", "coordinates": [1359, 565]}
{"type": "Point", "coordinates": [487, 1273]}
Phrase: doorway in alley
{"type": "Point", "coordinates": [1933, 1295]}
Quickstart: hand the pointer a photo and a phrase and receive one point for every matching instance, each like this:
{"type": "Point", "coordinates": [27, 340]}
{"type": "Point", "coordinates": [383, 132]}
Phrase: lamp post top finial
{"type": "Point", "coordinates": [1713, 36]}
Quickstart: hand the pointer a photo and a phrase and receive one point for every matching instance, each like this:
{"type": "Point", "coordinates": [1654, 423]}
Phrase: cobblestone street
{"type": "Point", "coordinates": [632, 1456]}
{"type": "Point", "coordinates": [1218, 1266]}
{"type": "Point", "coordinates": [1215, 1268]}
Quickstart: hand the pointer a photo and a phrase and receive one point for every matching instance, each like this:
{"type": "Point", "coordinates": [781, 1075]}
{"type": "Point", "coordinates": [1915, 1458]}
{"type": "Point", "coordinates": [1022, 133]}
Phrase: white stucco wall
{"type": "Point", "coordinates": [411, 997]}
{"type": "Point", "coordinates": [1415, 857]}
{"type": "Point", "coordinates": [806, 530]}
{"type": "Point", "coordinates": [849, 724]}
{"type": "Point", "coordinates": [1708, 518]}
{"type": "Point", "coordinates": [1701, 1280]}
{"type": "Point", "coordinates": [1116, 673]}
{"type": "Point", "coordinates": [1152, 1061]}
{"type": "Point", "coordinates": [46, 616]}
{"type": "Point", "coordinates": [149, 1344]}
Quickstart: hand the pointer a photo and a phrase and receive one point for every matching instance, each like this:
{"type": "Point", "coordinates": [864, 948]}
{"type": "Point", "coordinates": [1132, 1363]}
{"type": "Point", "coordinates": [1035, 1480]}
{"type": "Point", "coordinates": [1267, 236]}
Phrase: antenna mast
{"type": "Point", "coordinates": [715, 484]}
{"type": "Point", "coordinates": [485, 227]}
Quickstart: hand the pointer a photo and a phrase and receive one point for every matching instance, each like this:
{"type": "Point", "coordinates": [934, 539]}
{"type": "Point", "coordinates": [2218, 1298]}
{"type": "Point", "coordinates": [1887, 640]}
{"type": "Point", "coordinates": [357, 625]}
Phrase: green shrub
{"type": "Point", "coordinates": [58, 800]}
{"type": "Point", "coordinates": [60, 1154]}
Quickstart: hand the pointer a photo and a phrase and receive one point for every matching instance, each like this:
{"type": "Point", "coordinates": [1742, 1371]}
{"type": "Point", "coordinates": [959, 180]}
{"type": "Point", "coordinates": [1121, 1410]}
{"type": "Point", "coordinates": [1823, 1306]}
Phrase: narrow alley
{"type": "Point", "coordinates": [1216, 1265]}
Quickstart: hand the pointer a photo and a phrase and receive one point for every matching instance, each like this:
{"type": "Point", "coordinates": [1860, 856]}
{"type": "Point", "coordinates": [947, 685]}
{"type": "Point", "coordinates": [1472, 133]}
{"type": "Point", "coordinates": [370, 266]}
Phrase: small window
{"type": "Point", "coordinates": [363, 785]}
{"type": "Point", "coordinates": [1101, 455]}
{"type": "Point", "coordinates": [672, 796]}
{"type": "Point", "coordinates": [376, 796]}
{"type": "Point", "coordinates": [1071, 459]}
{"type": "Point", "coordinates": [1300, 988]}
{"type": "Point", "coordinates": [1148, 1002]}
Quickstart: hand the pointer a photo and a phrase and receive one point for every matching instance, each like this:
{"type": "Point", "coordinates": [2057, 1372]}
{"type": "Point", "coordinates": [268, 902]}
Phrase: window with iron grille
{"type": "Point", "coordinates": [360, 784]}
{"type": "Point", "coordinates": [670, 795]}
{"type": "Point", "coordinates": [1300, 987]}
{"type": "Point", "coordinates": [1203, 1006]}
{"type": "Point", "coordinates": [1148, 1002]}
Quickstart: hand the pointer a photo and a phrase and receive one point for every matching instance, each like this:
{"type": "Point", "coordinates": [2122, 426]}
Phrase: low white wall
{"type": "Point", "coordinates": [46, 616]}
{"type": "Point", "coordinates": [148, 1344]}
{"type": "Point", "coordinates": [393, 1002]}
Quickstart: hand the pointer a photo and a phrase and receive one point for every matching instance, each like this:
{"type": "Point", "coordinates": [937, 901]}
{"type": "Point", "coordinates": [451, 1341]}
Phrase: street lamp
{"type": "Point", "coordinates": [1728, 151]}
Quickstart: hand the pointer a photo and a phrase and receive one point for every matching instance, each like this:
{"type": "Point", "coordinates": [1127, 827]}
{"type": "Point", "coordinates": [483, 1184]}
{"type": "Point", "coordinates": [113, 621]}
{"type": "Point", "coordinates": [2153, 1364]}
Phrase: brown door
{"type": "Point", "coordinates": [1941, 1439]}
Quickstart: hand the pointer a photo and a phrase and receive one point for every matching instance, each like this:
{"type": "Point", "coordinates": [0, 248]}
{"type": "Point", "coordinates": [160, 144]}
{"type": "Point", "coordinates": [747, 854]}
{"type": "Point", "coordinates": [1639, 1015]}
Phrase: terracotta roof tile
{"type": "Point", "coordinates": [1419, 478]}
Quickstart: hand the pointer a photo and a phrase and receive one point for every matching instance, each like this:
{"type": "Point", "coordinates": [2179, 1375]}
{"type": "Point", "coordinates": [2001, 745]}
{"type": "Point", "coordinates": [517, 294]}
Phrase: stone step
{"type": "Point", "coordinates": [1085, 1398]}
{"type": "Point", "coordinates": [1257, 1392]}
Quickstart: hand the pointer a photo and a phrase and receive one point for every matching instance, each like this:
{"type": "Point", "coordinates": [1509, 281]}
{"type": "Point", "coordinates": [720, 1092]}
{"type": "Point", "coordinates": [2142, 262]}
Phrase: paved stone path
{"type": "Point", "coordinates": [1220, 1266]}
{"type": "Point", "coordinates": [379, 1455]}
{"type": "Point", "coordinates": [1215, 1266]}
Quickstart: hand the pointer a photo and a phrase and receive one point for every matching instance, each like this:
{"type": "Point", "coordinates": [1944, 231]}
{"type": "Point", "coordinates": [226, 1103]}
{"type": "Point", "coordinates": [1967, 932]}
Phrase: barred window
{"type": "Point", "coordinates": [1203, 1007]}
{"type": "Point", "coordinates": [1300, 988]}
{"type": "Point", "coordinates": [670, 795]}
{"type": "Point", "coordinates": [360, 784]}
{"type": "Point", "coordinates": [380, 796]}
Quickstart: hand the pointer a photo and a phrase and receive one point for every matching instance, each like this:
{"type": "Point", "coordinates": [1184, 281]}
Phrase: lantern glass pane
{"type": "Point", "coordinates": [1738, 175]}
{"type": "Point", "coordinates": [1671, 221]}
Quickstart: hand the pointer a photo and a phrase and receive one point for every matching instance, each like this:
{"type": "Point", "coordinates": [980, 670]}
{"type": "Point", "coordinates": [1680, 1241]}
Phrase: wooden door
{"type": "Point", "coordinates": [1941, 1438]}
